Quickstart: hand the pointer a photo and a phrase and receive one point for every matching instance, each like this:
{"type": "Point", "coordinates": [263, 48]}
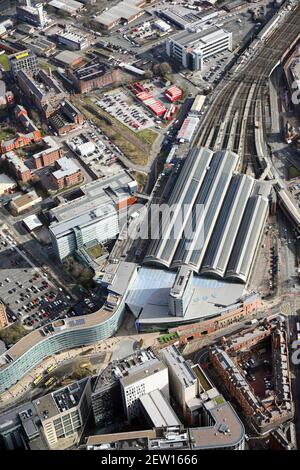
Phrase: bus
{"type": "Point", "coordinates": [37, 380]}
{"type": "Point", "coordinates": [50, 382]}
{"type": "Point", "coordinates": [51, 368]}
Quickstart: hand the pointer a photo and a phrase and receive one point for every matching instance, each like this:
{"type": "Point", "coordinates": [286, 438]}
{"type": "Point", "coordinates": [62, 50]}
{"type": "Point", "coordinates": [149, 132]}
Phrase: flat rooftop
{"type": "Point", "coordinates": [227, 430]}
{"type": "Point", "coordinates": [148, 298]}
{"type": "Point", "coordinates": [67, 167]}
{"type": "Point", "coordinates": [61, 400]}
{"type": "Point", "coordinates": [139, 372]}
{"type": "Point", "coordinates": [179, 365]}
{"type": "Point", "coordinates": [199, 38]}
{"type": "Point", "coordinates": [68, 57]}
{"type": "Point", "coordinates": [123, 10]}
{"type": "Point", "coordinates": [99, 198]}
{"type": "Point", "coordinates": [159, 410]}
{"type": "Point", "coordinates": [118, 369]}
{"type": "Point", "coordinates": [70, 6]}
{"type": "Point", "coordinates": [88, 72]}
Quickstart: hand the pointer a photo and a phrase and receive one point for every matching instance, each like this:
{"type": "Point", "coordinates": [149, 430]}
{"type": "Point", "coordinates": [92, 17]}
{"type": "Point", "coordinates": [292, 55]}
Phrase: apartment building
{"type": "Point", "coordinates": [67, 173]}
{"type": "Point", "coordinates": [49, 154]}
{"type": "Point", "coordinates": [25, 60]}
{"type": "Point", "coordinates": [17, 167]}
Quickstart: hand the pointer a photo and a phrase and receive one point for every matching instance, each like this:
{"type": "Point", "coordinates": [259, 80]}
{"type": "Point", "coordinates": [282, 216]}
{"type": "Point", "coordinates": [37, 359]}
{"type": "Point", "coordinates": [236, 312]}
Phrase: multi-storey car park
{"type": "Point", "coordinates": [69, 333]}
{"type": "Point", "coordinates": [217, 219]}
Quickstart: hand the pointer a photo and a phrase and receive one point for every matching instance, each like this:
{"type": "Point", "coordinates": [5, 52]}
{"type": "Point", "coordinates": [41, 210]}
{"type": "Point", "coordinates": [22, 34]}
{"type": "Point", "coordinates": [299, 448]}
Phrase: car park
{"type": "Point", "coordinates": [23, 299]}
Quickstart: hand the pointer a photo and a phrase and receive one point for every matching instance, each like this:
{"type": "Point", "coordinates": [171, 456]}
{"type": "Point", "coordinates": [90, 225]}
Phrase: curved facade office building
{"type": "Point", "coordinates": [68, 333]}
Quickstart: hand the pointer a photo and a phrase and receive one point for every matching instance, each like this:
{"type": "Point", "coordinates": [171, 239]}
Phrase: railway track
{"type": "Point", "coordinates": [234, 104]}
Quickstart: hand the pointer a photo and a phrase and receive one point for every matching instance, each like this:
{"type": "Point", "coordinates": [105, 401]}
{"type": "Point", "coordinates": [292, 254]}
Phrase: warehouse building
{"type": "Point", "coordinates": [218, 218]}
{"type": "Point", "coordinates": [67, 118]}
{"type": "Point", "coordinates": [93, 216]}
{"type": "Point", "coordinates": [73, 41]}
{"type": "Point", "coordinates": [188, 129]}
{"type": "Point", "coordinates": [191, 48]}
{"type": "Point", "coordinates": [71, 7]}
{"type": "Point", "coordinates": [39, 46]}
{"type": "Point", "coordinates": [68, 59]}
{"type": "Point", "coordinates": [124, 12]}
{"type": "Point", "coordinates": [24, 202]}
{"type": "Point", "coordinates": [197, 105]}
{"type": "Point", "coordinates": [93, 75]}
{"type": "Point", "coordinates": [184, 18]}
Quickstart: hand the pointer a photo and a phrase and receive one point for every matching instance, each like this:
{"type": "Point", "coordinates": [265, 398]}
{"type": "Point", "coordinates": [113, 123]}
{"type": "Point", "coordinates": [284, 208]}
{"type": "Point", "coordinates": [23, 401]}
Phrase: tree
{"type": "Point", "coordinates": [165, 68]}
{"type": "Point", "coordinates": [148, 74]}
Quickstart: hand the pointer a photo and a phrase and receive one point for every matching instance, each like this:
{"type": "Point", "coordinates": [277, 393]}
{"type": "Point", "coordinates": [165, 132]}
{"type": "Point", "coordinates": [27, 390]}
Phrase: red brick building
{"type": "Point", "coordinates": [92, 76]}
{"type": "Point", "coordinates": [67, 173]}
{"type": "Point", "coordinates": [17, 167]}
{"type": "Point", "coordinates": [33, 134]}
{"type": "Point", "coordinates": [67, 118]}
{"type": "Point", "coordinates": [49, 155]}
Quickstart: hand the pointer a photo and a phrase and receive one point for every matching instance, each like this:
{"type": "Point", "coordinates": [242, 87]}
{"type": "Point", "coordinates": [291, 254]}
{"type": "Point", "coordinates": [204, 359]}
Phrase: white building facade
{"type": "Point", "coordinates": [192, 48]}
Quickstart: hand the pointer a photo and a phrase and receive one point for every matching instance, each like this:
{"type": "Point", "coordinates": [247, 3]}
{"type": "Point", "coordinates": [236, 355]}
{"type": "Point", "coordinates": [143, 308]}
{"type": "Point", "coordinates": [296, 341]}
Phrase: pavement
{"type": "Point", "coordinates": [116, 347]}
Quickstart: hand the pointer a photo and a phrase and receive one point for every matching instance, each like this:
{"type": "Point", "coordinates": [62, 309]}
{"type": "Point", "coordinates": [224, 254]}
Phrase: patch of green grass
{"type": "Point", "coordinates": [12, 334]}
{"type": "Point", "coordinates": [95, 251]}
{"type": "Point", "coordinates": [148, 136]}
{"type": "Point", "coordinates": [219, 400]}
{"type": "Point", "coordinates": [7, 133]}
{"type": "Point", "coordinates": [293, 172]}
{"type": "Point", "coordinates": [4, 62]}
{"type": "Point", "coordinates": [168, 337]}
{"type": "Point", "coordinates": [115, 133]}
